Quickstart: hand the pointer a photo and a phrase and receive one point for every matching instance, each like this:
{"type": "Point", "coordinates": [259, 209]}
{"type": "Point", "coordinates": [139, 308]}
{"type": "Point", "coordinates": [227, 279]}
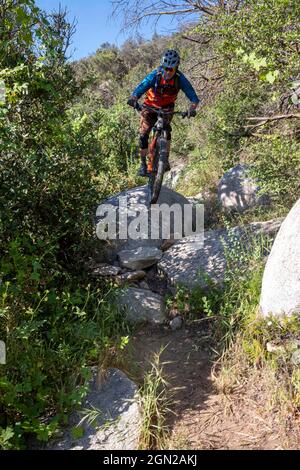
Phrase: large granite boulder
{"type": "Point", "coordinates": [117, 419]}
{"type": "Point", "coordinates": [237, 191]}
{"type": "Point", "coordinates": [144, 231]}
{"type": "Point", "coordinates": [281, 280]}
{"type": "Point", "coordinates": [191, 263]}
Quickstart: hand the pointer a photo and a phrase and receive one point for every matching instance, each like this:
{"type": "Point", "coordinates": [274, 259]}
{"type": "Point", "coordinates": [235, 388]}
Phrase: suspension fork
{"type": "Point", "coordinates": [163, 149]}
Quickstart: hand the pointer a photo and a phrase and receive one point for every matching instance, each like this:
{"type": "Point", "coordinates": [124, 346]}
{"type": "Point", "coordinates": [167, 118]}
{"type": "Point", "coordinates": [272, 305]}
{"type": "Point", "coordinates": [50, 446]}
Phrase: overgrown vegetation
{"type": "Point", "coordinates": [68, 140]}
{"type": "Point", "coordinates": [248, 61]}
{"type": "Point", "coordinates": [55, 167]}
{"type": "Point", "coordinates": [155, 400]}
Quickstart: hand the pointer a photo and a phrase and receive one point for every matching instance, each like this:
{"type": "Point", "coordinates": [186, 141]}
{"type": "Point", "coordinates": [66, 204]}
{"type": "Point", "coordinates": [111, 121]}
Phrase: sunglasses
{"type": "Point", "coordinates": [169, 69]}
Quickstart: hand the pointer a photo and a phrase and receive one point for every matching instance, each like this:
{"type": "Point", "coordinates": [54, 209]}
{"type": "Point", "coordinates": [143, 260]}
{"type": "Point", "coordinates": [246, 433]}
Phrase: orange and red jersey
{"type": "Point", "coordinates": [161, 93]}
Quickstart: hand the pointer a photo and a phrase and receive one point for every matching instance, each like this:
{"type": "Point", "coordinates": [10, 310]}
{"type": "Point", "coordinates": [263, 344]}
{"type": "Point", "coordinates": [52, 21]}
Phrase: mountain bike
{"type": "Point", "coordinates": [157, 151]}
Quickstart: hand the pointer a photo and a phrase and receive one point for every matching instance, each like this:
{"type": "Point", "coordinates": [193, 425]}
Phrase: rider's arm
{"type": "Point", "coordinates": [147, 83]}
{"type": "Point", "coordinates": [188, 89]}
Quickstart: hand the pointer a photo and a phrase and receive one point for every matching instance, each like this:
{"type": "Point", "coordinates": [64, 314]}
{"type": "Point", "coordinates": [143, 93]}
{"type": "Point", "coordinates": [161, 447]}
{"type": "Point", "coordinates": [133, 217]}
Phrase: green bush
{"type": "Point", "coordinates": [276, 163]}
{"type": "Point", "coordinates": [54, 158]}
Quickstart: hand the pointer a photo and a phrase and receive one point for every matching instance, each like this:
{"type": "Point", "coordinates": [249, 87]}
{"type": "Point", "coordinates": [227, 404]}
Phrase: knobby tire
{"type": "Point", "coordinates": [160, 162]}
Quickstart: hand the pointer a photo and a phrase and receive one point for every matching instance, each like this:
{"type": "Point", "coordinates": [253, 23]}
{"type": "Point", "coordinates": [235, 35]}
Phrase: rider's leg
{"type": "Point", "coordinates": [143, 167]}
{"type": "Point", "coordinates": [146, 123]}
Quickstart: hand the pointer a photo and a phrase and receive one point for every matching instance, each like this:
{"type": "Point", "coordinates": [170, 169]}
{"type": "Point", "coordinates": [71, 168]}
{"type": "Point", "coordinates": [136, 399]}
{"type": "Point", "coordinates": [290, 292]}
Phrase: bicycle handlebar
{"type": "Point", "coordinates": [139, 107]}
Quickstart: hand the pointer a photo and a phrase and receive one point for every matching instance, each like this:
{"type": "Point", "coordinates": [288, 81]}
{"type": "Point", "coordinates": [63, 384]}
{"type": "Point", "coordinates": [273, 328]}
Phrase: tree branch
{"type": "Point", "coordinates": [282, 116]}
{"type": "Point", "coordinates": [207, 41]}
{"type": "Point", "coordinates": [264, 120]}
{"type": "Point", "coordinates": [135, 11]}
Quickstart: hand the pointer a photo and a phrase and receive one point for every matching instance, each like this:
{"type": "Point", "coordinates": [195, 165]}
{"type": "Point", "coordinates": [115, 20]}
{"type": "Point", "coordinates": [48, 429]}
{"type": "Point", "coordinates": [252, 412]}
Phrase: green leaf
{"type": "Point", "coordinates": [239, 51]}
{"type": "Point", "coordinates": [35, 276]}
{"type": "Point", "coordinates": [77, 432]}
{"type": "Point", "coordinates": [271, 76]}
{"type": "Point", "coordinates": [6, 434]}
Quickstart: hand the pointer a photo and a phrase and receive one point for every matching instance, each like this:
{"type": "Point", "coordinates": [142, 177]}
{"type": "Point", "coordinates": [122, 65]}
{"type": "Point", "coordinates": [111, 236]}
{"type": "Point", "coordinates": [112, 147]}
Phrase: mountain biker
{"type": "Point", "coordinates": [161, 87]}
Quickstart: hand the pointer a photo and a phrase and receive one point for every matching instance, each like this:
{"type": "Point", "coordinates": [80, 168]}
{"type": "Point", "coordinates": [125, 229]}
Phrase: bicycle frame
{"type": "Point", "coordinates": [159, 133]}
{"type": "Point", "coordinates": [157, 152]}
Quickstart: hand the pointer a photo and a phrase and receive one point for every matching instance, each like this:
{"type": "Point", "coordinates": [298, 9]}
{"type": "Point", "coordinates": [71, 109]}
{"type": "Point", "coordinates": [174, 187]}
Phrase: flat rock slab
{"type": "Point", "coordinates": [185, 263]}
{"type": "Point", "coordinates": [191, 264]}
{"type": "Point", "coordinates": [141, 306]}
{"type": "Point", "coordinates": [105, 270]}
{"type": "Point", "coordinates": [139, 258]}
{"type": "Point", "coordinates": [119, 422]}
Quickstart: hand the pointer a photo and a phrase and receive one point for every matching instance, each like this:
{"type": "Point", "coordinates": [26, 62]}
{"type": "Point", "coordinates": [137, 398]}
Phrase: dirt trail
{"type": "Point", "coordinates": [203, 417]}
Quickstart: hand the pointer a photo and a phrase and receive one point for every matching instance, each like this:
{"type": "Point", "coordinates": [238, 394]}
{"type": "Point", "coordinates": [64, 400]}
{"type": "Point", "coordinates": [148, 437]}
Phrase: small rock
{"type": "Point", "coordinates": [176, 323]}
{"type": "Point", "coordinates": [296, 357]}
{"type": "Point", "coordinates": [274, 348]}
{"type": "Point", "coordinates": [106, 270]}
{"type": "Point", "coordinates": [144, 285]}
{"type": "Point", "coordinates": [139, 258]}
{"type": "Point", "coordinates": [130, 277]}
{"type": "Point", "coordinates": [197, 199]}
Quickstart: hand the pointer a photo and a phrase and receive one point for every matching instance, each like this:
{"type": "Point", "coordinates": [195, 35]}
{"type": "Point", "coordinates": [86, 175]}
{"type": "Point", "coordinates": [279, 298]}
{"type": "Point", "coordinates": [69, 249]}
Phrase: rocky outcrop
{"type": "Point", "coordinates": [141, 306]}
{"type": "Point", "coordinates": [135, 200]}
{"type": "Point", "coordinates": [115, 420]}
{"type": "Point", "coordinates": [281, 280]}
{"type": "Point", "coordinates": [238, 191]}
{"type": "Point", "coordinates": [192, 263]}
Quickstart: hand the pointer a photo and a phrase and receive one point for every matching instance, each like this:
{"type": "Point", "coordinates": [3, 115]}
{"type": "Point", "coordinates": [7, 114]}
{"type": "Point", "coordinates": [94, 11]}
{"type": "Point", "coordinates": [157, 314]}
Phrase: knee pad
{"type": "Point", "coordinates": [144, 139]}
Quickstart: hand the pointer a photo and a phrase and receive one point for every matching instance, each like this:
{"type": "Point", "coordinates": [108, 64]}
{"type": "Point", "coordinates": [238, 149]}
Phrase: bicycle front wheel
{"type": "Point", "coordinates": [161, 148]}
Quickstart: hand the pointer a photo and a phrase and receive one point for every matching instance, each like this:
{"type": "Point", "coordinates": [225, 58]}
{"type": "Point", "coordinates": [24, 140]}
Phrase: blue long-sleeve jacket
{"type": "Point", "coordinates": [150, 81]}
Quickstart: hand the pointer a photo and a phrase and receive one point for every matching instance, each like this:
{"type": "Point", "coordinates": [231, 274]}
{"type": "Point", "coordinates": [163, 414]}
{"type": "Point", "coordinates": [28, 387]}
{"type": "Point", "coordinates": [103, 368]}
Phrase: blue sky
{"type": "Point", "coordinates": [95, 25]}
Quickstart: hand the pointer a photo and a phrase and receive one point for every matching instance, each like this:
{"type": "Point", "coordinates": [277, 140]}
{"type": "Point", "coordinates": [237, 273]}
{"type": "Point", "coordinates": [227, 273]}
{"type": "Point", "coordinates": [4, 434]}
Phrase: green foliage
{"type": "Point", "coordinates": [50, 342]}
{"type": "Point", "coordinates": [54, 159]}
{"type": "Point", "coordinates": [155, 401]}
{"type": "Point", "coordinates": [255, 52]}
{"type": "Point", "coordinates": [68, 140]}
{"type": "Point", "coordinates": [264, 34]}
{"type": "Point", "coordinates": [279, 168]}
